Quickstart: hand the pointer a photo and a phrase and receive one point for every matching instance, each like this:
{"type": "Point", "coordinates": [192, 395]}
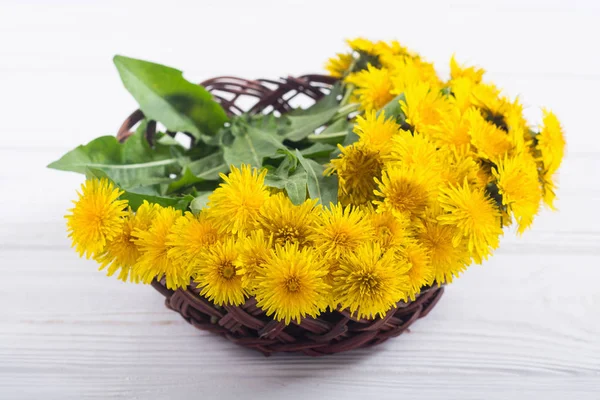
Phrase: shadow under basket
{"type": "Point", "coordinates": [247, 325]}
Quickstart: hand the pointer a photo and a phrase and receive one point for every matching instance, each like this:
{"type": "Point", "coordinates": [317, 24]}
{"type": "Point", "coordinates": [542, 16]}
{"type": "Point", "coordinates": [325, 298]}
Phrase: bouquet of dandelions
{"type": "Point", "coordinates": [394, 182]}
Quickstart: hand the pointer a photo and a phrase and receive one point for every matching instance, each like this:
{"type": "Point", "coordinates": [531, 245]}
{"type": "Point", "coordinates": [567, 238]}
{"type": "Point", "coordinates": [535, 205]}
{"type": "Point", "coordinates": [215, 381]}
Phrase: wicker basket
{"type": "Point", "coordinates": [248, 325]}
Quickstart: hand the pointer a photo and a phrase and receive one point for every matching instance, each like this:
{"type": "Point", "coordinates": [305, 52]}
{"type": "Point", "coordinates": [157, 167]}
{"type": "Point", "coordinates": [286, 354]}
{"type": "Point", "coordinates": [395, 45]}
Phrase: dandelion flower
{"type": "Point", "coordinates": [189, 237]}
{"type": "Point", "coordinates": [551, 146]}
{"type": "Point", "coordinates": [341, 230]}
{"type": "Point", "coordinates": [356, 168]}
{"type": "Point", "coordinates": [420, 271]}
{"type": "Point", "coordinates": [390, 231]}
{"type": "Point", "coordinates": [415, 150]}
{"type": "Point", "coordinates": [338, 66]}
{"type": "Point", "coordinates": [217, 274]}
{"type": "Point", "coordinates": [490, 141]}
{"type": "Point", "coordinates": [291, 284]}
{"type": "Point", "coordinates": [362, 45]}
{"type": "Point", "coordinates": [154, 262]}
{"type": "Point", "coordinates": [234, 206]}
{"type": "Point", "coordinates": [518, 184]}
{"type": "Point", "coordinates": [458, 71]}
{"type": "Point", "coordinates": [121, 252]}
{"type": "Point", "coordinates": [448, 260]}
{"type": "Point", "coordinates": [423, 105]}
{"type": "Point", "coordinates": [375, 132]}
{"type": "Point", "coordinates": [373, 87]}
{"type": "Point", "coordinates": [404, 190]}
{"type": "Point", "coordinates": [97, 216]}
{"type": "Point", "coordinates": [369, 281]}
{"type": "Point", "coordinates": [476, 217]}
{"type": "Point", "coordinates": [286, 222]}
{"type": "Point", "coordinates": [253, 251]}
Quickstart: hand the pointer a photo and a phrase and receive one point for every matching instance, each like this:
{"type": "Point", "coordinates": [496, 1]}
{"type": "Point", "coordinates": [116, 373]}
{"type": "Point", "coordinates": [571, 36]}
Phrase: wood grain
{"type": "Point", "coordinates": [524, 325]}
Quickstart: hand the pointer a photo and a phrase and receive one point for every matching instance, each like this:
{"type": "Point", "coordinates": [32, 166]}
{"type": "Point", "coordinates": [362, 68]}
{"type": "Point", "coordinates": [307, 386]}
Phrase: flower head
{"type": "Point", "coordinates": [375, 132]}
{"type": "Point", "coordinates": [420, 270]}
{"type": "Point", "coordinates": [286, 222]}
{"type": "Point", "coordinates": [369, 281]}
{"type": "Point", "coordinates": [373, 87]}
{"type": "Point", "coordinates": [291, 284]}
{"type": "Point", "coordinates": [551, 146]}
{"type": "Point", "coordinates": [341, 230]}
{"type": "Point", "coordinates": [404, 190]}
{"type": "Point", "coordinates": [490, 141]}
{"type": "Point", "coordinates": [423, 105]}
{"type": "Point", "coordinates": [234, 206]}
{"type": "Point", "coordinates": [97, 217]}
{"type": "Point", "coordinates": [189, 237]}
{"type": "Point", "coordinates": [217, 274]}
{"type": "Point", "coordinates": [437, 239]}
{"type": "Point", "coordinates": [253, 251]}
{"type": "Point", "coordinates": [121, 252]}
{"type": "Point", "coordinates": [472, 73]}
{"type": "Point", "coordinates": [338, 66]}
{"type": "Point", "coordinates": [476, 217]}
{"type": "Point", "coordinates": [154, 261]}
{"type": "Point", "coordinates": [356, 168]}
{"type": "Point", "coordinates": [518, 184]}
{"type": "Point", "coordinates": [390, 231]}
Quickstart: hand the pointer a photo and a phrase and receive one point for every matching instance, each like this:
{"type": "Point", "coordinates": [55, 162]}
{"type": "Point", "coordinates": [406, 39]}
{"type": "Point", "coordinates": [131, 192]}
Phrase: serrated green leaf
{"type": "Point", "coordinates": [136, 197]}
{"type": "Point", "coordinates": [304, 122]}
{"type": "Point", "coordinates": [295, 186]}
{"type": "Point", "coordinates": [321, 187]}
{"type": "Point", "coordinates": [252, 146]}
{"type": "Point", "coordinates": [106, 153]}
{"type": "Point", "coordinates": [165, 96]}
{"type": "Point", "coordinates": [334, 133]}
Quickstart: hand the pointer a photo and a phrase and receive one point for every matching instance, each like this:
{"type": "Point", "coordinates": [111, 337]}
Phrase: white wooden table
{"type": "Point", "coordinates": [525, 325]}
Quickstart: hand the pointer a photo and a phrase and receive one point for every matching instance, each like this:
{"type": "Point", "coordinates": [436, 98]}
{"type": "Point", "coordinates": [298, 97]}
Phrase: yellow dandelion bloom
{"type": "Point", "coordinates": [423, 106]}
{"type": "Point", "coordinates": [356, 168]}
{"type": "Point", "coordinates": [420, 271]}
{"type": "Point", "coordinates": [370, 281]}
{"type": "Point", "coordinates": [235, 204]}
{"type": "Point", "coordinates": [373, 87]}
{"type": "Point", "coordinates": [405, 72]}
{"type": "Point", "coordinates": [405, 191]}
{"type": "Point", "coordinates": [390, 231]}
{"type": "Point", "coordinates": [341, 229]}
{"type": "Point", "coordinates": [286, 222]}
{"type": "Point", "coordinates": [476, 217]}
{"type": "Point", "coordinates": [460, 165]}
{"type": "Point", "coordinates": [417, 151]}
{"type": "Point", "coordinates": [253, 251]}
{"type": "Point", "coordinates": [189, 237]}
{"type": "Point", "coordinates": [154, 262]}
{"type": "Point", "coordinates": [451, 131]}
{"type": "Point", "coordinates": [518, 184]}
{"type": "Point", "coordinates": [96, 218]}
{"type": "Point", "coordinates": [121, 252]}
{"type": "Point", "coordinates": [551, 143]}
{"type": "Point", "coordinates": [362, 45]}
{"type": "Point", "coordinates": [459, 71]}
{"type": "Point", "coordinates": [447, 260]}
{"type": "Point", "coordinates": [375, 132]}
{"type": "Point", "coordinates": [217, 274]}
{"type": "Point", "coordinates": [490, 141]}
{"type": "Point", "coordinates": [339, 65]}
{"type": "Point", "coordinates": [291, 284]}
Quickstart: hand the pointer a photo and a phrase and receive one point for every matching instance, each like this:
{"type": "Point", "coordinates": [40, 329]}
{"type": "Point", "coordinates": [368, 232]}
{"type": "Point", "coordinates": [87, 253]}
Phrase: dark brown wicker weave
{"type": "Point", "coordinates": [247, 325]}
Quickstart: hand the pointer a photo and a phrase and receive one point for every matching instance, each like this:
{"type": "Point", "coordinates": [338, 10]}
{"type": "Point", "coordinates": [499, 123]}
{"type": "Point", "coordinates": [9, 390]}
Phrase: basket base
{"type": "Point", "coordinates": [332, 332]}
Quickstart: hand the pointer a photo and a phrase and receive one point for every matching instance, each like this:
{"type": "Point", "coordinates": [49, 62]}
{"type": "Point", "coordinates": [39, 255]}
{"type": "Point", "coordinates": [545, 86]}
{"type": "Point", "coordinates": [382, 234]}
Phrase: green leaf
{"type": "Point", "coordinates": [251, 146]}
{"type": "Point", "coordinates": [137, 197]}
{"type": "Point", "coordinates": [334, 133]}
{"type": "Point", "coordinates": [304, 122]}
{"type": "Point", "coordinates": [392, 109]}
{"type": "Point", "coordinates": [320, 187]}
{"type": "Point", "coordinates": [199, 202]}
{"type": "Point", "coordinates": [295, 186]}
{"type": "Point", "coordinates": [165, 96]}
{"type": "Point", "coordinates": [204, 169]}
{"type": "Point", "coordinates": [107, 154]}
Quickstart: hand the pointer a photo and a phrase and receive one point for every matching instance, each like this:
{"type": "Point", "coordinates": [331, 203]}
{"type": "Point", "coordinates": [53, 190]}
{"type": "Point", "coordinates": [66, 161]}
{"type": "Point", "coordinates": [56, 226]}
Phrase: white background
{"type": "Point", "coordinates": [524, 325]}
